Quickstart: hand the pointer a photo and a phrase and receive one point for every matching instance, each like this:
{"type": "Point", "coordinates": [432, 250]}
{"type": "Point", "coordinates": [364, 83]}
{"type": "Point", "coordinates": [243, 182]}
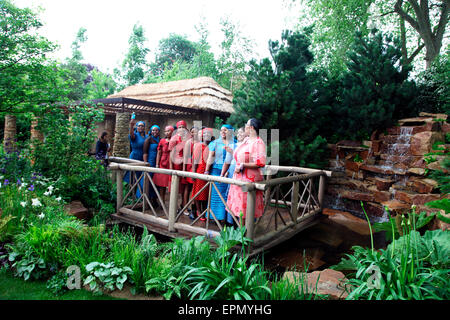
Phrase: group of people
{"type": "Point", "coordinates": [239, 155]}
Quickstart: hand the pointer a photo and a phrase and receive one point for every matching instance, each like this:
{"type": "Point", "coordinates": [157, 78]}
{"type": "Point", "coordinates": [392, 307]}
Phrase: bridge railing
{"type": "Point", "coordinates": [290, 202]}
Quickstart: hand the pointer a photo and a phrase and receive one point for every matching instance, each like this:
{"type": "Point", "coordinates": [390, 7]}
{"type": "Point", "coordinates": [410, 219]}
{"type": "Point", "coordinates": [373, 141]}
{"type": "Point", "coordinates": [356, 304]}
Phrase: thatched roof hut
{"type": "Point", "coordinates": [199, 94]}
{"type": "Point", "coordinates": [197, 101]}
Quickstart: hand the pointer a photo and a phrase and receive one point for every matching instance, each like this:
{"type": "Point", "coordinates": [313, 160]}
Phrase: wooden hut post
{"type": "Point", "coordinates": [322, 183]}
{"type": "Point", "coordinates": [10, 132]}
{"type": "Point", "coordinates": [173, 201]}
{"type": "Point", "coordinates": [294, 201]}
{"type": "Point", "coordinates": [121, 141]}
{"type": "Point", "coordinates": [36, 135]}
{"type": "Point", "coordinates": [250, 214]}
{"type": "Point", "coordinates": [109, 127]}
{"type": "Point", "coordinates": [119, 180]}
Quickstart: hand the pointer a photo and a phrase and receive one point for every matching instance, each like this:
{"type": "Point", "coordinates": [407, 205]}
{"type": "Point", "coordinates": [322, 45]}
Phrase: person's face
{"type": "Point", "coordinates": [168, 133]}
{"type": "Point", "coordinates": [181, 130]}
{"type": "Point", "coordinates": [248, 128]}
{"type": "Point", "coordinates": [140, 128]}
{"type": "Point", "coordinates": [223, 132]}
{"type": "Point", "coordinates": [155, 132]}
{"type": "Point", "coordinates": [194, 133]}
{"type": "Point", "coordinates": [240, 135]}
{"type": "Point", "coordinates": [206, 135]}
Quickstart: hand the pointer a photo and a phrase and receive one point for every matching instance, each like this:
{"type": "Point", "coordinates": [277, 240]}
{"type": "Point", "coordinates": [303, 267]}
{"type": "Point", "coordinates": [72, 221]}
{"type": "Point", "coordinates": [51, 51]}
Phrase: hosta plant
{"type": "Point", "coordinates": [106, 275]}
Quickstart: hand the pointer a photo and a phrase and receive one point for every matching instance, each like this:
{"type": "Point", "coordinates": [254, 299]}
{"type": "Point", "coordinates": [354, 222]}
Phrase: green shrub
{"type": "Point", "coordinates": [106, 276]}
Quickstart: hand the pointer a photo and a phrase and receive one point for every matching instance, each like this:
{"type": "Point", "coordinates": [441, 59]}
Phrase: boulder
{"type": "Point", "coordinates": [416, 171]}
{"type": "Point", "coordinates": [381, 196]}
{"type": "Point", "coordinates": [383, 184]}
{"type": "Point", "coordinates": [424, 185]}
{"type": "Point", "coordinates": [77, 209]}
{"type": "Point", "coordinates": [327, 282]}
{"type": "Point", "coordinates": [396, 207]}
{"type": "Point", "coordinates": [433, 115]}
{"type": "Point", "coordinates": [352, 166]}
{"type": "Point", "coordinates": [357, 195]}
{"type": "Point", "coordinates": [376, 146]}
{"type": "Point", "coordinates": [422, 142]}
{"type": "Point", "coordinates": [382, 170]}
{"type": "Point", "coordinates": [349, 221]}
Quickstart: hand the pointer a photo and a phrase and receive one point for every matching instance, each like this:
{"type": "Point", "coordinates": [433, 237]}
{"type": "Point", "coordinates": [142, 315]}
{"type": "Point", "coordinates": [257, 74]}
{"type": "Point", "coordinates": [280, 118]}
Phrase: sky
{"type": "Point", "coordinates": [109, 24]}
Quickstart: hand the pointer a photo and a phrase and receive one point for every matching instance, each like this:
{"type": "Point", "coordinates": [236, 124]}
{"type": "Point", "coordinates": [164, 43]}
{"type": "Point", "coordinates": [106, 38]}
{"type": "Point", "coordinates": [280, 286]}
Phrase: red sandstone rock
{"type": "Point", "coordinates": [433, 115]}
{"type": "Point", "coordinates": [376, 146]}
{"type": "Point", "coordinates": [445, 127]}
{"type": "Point", "coordinates": [396, 207]}
{"type": "Point", "coordinates": [76, 208]}
{"type": "Point", "coordinates": [349, 221]}
{"type": "Point", "coordinates": [422, 142]}
{"type": "Point", "coordinates": [381, 170]}
{"type": "Point", "coordinates": [415, 198]}
{"type": "Point", "coordinates": [352, 166]}
{"type": "Point", "coordinates": [424, 185]}
{"type": "Point", "coordinates": [381, 196]}
{"type": "Point", "coordinates": [416, 171]}
{"type": "Point", "coordinates": [383, 184]}
{"type": "Point", "coordinates": [355, 195]}
{"type": "Point", "coordinates": [328, 282]}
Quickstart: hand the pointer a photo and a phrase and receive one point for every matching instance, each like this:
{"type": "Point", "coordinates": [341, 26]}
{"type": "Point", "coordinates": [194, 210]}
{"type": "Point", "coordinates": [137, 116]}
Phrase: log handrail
{"type": "Point", "coordinates": [297, 175]}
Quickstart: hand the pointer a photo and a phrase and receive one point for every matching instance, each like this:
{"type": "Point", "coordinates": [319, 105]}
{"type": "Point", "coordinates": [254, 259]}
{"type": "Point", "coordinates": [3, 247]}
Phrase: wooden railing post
{"type": "Point", "coordinates": [294, 201]}
{"type": "Point", "coordinates": [250, 214]}
{"type": "Point", "coordinates": [119, 181]}
{"type": "Point", "coordinates": [322, 182]}
{"type": "Point", "coordinates": [173, 202]}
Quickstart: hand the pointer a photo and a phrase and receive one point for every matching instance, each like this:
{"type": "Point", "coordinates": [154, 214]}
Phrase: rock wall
{"type": "Point", "coordinates": [390, 170]}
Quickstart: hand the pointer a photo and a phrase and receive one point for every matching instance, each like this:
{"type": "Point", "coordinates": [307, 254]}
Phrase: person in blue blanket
{"type": "Point", "coordinates": [150, 150]}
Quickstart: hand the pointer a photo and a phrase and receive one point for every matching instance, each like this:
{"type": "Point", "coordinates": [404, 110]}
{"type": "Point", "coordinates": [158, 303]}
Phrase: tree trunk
{"type": "Point", "coordinates": [9, 137]}
{"type": "Point", "coordinates": [431, 36]}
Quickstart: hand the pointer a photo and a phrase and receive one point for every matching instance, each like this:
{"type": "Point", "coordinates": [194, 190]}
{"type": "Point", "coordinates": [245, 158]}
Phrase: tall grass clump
{"type": "Point", "coordinates": [412, 267]}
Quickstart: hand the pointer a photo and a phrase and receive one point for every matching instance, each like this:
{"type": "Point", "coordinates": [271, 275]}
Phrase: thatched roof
{"type": "Point", "coordinates": [199, 94]}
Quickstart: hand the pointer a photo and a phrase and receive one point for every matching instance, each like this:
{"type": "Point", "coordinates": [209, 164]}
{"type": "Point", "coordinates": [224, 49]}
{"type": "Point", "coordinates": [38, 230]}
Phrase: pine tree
{"type": "Point", "coordinates": [281, 97]}
{"type": "Point", "coordinates": [374, 91]}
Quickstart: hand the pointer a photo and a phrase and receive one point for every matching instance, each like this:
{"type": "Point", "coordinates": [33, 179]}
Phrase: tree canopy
{"type": "Point", "coordinates": [28, 77]}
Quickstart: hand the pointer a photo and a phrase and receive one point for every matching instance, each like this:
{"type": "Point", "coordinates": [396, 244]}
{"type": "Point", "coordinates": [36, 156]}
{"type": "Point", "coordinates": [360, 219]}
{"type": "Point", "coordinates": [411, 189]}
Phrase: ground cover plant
{"type": "Point", "coordinates": [45, 246]}
{"type": "Point", "coordinates": [414, 266]}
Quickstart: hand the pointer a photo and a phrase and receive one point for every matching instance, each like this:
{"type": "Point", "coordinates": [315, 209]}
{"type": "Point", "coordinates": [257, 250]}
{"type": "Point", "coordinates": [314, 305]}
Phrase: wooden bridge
{"type": "Point", "coordinates": [292, 203]}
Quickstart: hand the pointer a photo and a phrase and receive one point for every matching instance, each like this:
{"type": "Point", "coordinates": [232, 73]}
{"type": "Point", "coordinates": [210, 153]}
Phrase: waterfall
{"type": "Point", "coordinates": [394, 150]}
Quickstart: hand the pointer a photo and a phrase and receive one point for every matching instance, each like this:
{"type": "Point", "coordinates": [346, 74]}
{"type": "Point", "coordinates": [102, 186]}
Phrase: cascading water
{"type": "Point", "coordinates": [399, 149]}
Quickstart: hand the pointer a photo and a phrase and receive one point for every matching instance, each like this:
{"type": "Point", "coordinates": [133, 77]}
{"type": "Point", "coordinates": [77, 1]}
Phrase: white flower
{"type": "Point", "coordinates": [58, 199]}
{"type": "Point", "coordinates": [23, 204]}
{"type": "Point", "coordinates": [47, 193]}
{"type": "Point", "coordinates": [41, 216]}
{"type": "Point", "coordinates": [36, 202]}
{"type": "Point", "coordinates": [50, 189]}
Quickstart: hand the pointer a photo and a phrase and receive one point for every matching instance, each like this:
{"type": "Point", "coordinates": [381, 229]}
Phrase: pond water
{"type": "Point", "coordinates": [318, 247]}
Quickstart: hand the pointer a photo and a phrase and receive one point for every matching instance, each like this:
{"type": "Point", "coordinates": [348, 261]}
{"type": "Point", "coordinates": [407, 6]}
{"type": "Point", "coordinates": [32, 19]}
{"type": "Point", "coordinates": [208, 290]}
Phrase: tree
{"type": "Point", "coordinates": [173, 48]}
{"type": "Point", "coordinates": [281, 97]}
{"type": "Point", "coordinates": [374, 90]}
{"type": "Point", "coordinates": [422, 21]}
{"type": "Point", "coordinates": [28, 77]}
{"type": "Point", "coordinates": [77, 72]}
{"type": "Point", "coordinates": [335, 23]}
{"type": "Point", "coordinates": [134, 65]}
{"type": "Point", "coordinates": [232, 62]}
